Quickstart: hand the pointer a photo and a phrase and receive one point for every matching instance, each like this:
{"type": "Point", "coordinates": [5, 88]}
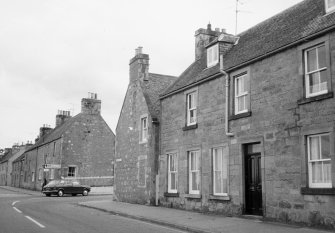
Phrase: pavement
{"type": "Point", "coordinates": [181, 219]}
{"type": "Point", "coordinates": [193, 221]}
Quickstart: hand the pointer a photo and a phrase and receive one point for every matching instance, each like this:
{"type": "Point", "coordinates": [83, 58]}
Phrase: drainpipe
{"type": "Point", "coordinates": [226, 76]}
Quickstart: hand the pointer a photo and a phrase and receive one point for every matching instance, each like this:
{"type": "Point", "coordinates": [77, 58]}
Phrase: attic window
{"type": "Point", "coordinates": [330, 5]}
{"type": "Point", "coordinates": [212, 55]}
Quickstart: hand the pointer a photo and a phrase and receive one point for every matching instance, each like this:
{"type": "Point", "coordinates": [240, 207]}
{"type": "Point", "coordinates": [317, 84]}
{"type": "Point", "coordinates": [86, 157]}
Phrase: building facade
{"type": "Point", "coordinates": [255, 134]}
{"type": "Point", "coordinates": [79, 147]}
{"type": "Point", "coordinates": [137, 133]}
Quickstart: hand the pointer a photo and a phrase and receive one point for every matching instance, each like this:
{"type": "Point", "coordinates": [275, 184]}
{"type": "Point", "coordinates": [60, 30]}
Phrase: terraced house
{"type": "Point", "coordinates": [137, 133]}
{"type": "Point", "coordinates": [248, 127]}
{"type": "Point", "coordinates": [79, 147]}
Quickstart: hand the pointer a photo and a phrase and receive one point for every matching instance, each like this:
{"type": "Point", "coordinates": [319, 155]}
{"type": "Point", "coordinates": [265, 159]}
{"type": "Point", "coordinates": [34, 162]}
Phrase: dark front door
{"type": "Point", "coordinates": [253, 181]}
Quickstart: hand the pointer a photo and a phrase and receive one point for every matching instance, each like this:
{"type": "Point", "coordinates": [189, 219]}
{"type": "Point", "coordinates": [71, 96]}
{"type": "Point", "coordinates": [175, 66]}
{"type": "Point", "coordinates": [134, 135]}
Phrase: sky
{"type": "Point", "coordinates": [53, 52]}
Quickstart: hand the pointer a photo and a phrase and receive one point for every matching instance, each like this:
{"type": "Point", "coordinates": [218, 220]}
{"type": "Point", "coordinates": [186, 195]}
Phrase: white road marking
{"type": "Point", "coordinates": [17, 210]}
{"type": "Point", "coordinates": [15, 202]}
{"type": "Point", "coordinates": [34, 221]}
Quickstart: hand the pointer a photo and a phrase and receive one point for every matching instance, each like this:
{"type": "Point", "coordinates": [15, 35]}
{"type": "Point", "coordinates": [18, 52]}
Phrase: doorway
{"type": "Point", "coordinates": [253, 179]}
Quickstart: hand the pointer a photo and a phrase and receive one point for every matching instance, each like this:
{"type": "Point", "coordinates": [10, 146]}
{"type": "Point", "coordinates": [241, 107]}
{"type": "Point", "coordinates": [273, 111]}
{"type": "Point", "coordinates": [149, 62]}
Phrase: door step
{"type": "Point", "coordinates": [254, 217]}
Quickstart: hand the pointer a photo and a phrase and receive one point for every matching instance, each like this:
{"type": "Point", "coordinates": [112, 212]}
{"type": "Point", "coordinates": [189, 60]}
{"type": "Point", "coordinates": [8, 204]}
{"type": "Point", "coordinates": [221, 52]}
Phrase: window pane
{"type": "Point", "coordinates": [327, 172]}
{"type": "Point", "coordinates": [246, 83]}
{"type": "Point", "coordinates": [195, 180]}
{"type": "Point", "coordinates": [189, 97]}
{"type": "Point", "coordinates": [323, 80]}
{"type": "Point", "coordinates": [192, 155]}
{"type": "Point", "coordinates": [314, 82]}
{"type": "Point", "coordinates": [317, 172]}
{"type": "Point", "coordinates": [218, 181]}
{"type": "Point", "coordinates": [311, 60]}
{"type": "Point", "coordinates": [173, 181]}
{"type": "Point", "coordinates": [314, 148]}
{"type": "Point", "coordinates": [241, 103]}
{"type": "Point", "coordinates": [215, 51]}
{"type": "Point", "coordinates": [325, 147]}
{"type": "Point", "coordinates": [322, 57]}
{"type": "Point", "coordinates": [218, 160]}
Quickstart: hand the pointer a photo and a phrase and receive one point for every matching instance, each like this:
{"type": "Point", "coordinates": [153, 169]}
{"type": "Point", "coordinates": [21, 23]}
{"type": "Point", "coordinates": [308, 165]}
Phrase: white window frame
{"type": "Point", "coordinates": [310, 180]}
{"type": "Point", "coordinates": [212, 55]}
{"type": "Point", "coordinates": [144, 129]}
{"type": "Point", "coordinates": [329, 8]}
{"type": "Point", "coordinates": [222, 168]}
{"type": "Point", "coordinates": [195, 171]}
{"type": "Point", "coordinates": [74, 173]}
{"type": "Point", "coordinates": [174, 172]}
{"type": "Point", "coordinates": [239, 95]}
{"type": "Point", "coordinates": [191, 107]}
{"type": "Point", "coordinates": [317, 70]}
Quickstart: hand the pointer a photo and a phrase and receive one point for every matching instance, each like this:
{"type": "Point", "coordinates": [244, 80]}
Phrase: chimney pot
{"type": "Point", "coordinates": [91, 105]}
{"type": "Point", "coordinates": [223, 30]}
{"type": "Point", "coordinates": [62, 116]}
{"type": "Point", "coordinates": [138, 51]}
{"type": "Point", "coordinates": [209, 27]}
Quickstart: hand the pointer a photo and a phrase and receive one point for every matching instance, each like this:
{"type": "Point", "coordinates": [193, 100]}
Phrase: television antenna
{"type": "Point", "coordinates": [238, 2]}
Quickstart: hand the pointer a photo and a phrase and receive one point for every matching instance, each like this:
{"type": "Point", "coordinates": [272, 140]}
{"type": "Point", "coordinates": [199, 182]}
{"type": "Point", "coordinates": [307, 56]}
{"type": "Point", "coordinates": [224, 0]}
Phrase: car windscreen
{"type": "Point", "coordinates": [53, 182]}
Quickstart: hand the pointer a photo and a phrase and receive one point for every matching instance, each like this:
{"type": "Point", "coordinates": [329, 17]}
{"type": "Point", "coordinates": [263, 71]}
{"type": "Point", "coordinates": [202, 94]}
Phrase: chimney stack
{"type": "Point", "coordinates": [61, 117]}
{"type": "Point", "coordinates": [202, 38]}
{"type": "Point", "coordinates": [139, 66]}
{"type": "Point", "coordinates": [91, 105]}
{"type": "Point", "coordinates": [45, 129]}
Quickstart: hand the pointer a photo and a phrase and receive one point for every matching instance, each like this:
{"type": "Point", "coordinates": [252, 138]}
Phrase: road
{"type": "Point", "coordinates": [23, 213]}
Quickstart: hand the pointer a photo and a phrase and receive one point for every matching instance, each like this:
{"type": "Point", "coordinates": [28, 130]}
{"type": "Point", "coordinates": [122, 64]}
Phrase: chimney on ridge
{"type": "Point", "coordinates": [139, 66]}
{"type": "Point", "coordinates": [61, 117]}
{"type": "Point", "coordinates": [45, 129]}
{"type": "Point", "coordinates": [91, 104]}
{"type": "Point", "coordinates": [204, 37]}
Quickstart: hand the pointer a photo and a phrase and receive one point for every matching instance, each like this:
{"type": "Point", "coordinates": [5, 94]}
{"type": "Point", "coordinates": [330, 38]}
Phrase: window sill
{"type": "Point", "coordinates": [192, 196]}
{"type": "Point", "coordinates": [238, 116]}
{"type": "Point", "coordinates": [189, 127]}
{"type": "Point", "coordinates": [315, 98]}
{"type": "Point", "coordinates": [317, 191]}
{"type": "Point", "coordinates": [219, 198]}
{"type": "Point", "coordinates": [166, 194]}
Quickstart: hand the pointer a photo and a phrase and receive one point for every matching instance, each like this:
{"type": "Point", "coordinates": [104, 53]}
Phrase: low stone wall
{"type": "Point", "coordinates": [95, 181]}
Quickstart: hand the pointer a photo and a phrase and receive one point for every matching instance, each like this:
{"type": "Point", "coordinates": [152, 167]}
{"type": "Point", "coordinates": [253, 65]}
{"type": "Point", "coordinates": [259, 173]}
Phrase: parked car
{"type": "Point", "coordinates": [61, 187]}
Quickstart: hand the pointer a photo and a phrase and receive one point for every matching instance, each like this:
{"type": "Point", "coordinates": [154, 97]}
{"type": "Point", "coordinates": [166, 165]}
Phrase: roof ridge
{"type": "Point", "coordinates": [291, 8]}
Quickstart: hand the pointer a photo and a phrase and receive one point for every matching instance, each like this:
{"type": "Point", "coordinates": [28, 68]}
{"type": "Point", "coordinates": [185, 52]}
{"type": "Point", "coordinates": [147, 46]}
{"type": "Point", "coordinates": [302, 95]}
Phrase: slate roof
{"type": "Point", "coordinates": [6, 156]}
{"type": "Point", "coordinates": [60, 130]}
{"type": "Point", "coordinates": [287, 28]}
{"type": "Point", "coordinates": [156, 84]}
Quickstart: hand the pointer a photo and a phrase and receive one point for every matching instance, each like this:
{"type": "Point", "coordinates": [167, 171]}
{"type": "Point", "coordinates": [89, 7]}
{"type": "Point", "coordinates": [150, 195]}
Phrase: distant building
{"type": "Point", "coordinates": [79, 147]}
{"type": "Point", "coordinates": [255, 136]}
{"type": "Point", "coordinates": [137, 133]}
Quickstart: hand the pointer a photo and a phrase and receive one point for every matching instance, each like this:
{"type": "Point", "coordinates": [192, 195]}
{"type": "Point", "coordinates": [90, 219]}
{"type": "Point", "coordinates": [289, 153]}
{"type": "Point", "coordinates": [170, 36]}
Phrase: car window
{"type": "Point", "coordinates": [76, 183]}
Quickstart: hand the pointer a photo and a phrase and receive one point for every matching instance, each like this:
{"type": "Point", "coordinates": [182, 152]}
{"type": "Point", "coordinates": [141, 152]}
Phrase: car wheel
{"type": "Point", "coordinates": [85, 192]}
{"type": "Point", "coordinates": [48, 194]}
{"type": "Point", "coordinates": [60, 193]}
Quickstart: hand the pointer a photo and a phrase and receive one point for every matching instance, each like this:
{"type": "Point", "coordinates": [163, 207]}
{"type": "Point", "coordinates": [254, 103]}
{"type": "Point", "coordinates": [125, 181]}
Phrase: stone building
{"type": "Point", "coordinates": [79, 147]}
{"type": "Point", "coordinates": [248, 128]}
{"type": "Point", "coordinates": [137, 133]}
